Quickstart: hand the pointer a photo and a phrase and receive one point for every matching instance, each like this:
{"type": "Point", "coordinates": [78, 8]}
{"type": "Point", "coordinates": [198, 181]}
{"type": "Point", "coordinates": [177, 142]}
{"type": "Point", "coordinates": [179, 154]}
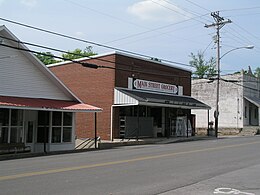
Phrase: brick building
{"type": "Point", "coordinates": [139, 97]}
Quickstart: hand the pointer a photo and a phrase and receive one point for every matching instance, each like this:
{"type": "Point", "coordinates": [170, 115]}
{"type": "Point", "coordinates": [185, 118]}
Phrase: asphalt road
{"type": "Point", "coordinates": [223, 166]}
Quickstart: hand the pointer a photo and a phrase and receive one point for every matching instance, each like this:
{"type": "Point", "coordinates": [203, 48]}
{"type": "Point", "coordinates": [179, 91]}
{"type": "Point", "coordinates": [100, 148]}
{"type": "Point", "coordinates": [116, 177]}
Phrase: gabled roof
{"type": "Point", "coordinates": [36, 62]}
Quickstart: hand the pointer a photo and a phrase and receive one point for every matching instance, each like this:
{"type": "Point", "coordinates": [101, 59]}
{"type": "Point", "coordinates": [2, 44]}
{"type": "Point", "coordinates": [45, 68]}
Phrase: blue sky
{"type": "Point", "coordinates": [164, 29]}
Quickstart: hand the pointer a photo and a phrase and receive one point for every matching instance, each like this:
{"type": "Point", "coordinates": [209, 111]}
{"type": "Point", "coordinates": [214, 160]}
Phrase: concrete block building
{"type": "Point", "coordinates": [239, 102]}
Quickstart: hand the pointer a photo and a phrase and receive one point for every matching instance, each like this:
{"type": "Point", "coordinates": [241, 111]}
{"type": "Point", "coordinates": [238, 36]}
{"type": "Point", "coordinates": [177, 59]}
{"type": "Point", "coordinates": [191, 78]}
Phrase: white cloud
{"type": "Point", "coordinates": [156, 10]}
{"type": "Point", "coordinates": [29, 3]}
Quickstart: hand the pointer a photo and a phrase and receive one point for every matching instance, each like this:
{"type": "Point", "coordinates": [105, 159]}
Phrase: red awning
{"type": "Point", "coordinates": [45, 104]}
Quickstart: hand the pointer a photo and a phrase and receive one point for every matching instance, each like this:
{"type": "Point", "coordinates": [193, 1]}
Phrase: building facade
{"type": "Point", "coordinates": [239, 102]}
{"type": "Point", "coordinates": [36, 109]}
{"type": "Point", "coordinates": [139, 97]}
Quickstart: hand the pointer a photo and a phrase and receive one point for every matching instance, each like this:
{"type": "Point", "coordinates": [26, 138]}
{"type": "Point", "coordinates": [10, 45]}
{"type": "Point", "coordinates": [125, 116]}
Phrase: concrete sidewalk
{"type": "Point", "coordinates": [126, 142]}
{"type": "Point", "coordinates": [104, 144]}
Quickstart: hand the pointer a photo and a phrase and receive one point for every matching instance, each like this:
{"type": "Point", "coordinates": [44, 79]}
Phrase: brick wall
{"type": "Point", "coordinates": [148, 70]}
{"type": "Point", "coordinates": [96, 87]}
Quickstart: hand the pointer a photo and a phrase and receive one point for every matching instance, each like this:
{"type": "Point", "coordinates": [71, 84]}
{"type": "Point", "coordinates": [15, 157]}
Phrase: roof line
{"type": "Point", "coordinates": [118, 53]}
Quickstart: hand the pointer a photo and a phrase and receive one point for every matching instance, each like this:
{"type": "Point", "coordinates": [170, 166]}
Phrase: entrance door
{"type": "Point", "coordinates": [30, 128]}
{"type": "Point", "coordinates": [157, 114]}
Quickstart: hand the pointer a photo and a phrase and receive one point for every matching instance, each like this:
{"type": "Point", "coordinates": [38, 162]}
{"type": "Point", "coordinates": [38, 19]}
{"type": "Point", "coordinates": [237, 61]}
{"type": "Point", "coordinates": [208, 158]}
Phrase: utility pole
{"type": "Point", "coordinates": [219, 23]}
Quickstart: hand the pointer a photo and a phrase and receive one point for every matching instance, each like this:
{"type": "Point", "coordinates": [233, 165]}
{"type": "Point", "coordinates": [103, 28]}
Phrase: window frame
{"type": "Point", "coordinates": [62, 127]}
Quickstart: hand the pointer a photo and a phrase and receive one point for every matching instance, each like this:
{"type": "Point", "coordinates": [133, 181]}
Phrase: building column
{"type": "Point", "coordinates": [258, 116]}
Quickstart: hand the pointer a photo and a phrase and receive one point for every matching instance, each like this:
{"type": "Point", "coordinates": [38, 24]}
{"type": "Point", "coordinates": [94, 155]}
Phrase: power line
{"type": "Point", "coordinates": [62, 51]}
{"type": "Point", "coordinates": [153, 30]}
{"type": "Point", "coordinates": [239, 9]}
{"type": "Point", "coordinates": [85, 41]}
{"type": "Point", "coordinates": [90, 65]}
{"type": "Point", "coordinates": [186, 10]}
{"type": "Point", "coordinates": [198, 5]}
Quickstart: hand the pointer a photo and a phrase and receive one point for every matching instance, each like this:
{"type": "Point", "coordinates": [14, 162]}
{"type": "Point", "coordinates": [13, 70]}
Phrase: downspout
{"type": "Point", "coordinates": [111, 123]}
{"type": "Point", "coordinates": [95, 130]}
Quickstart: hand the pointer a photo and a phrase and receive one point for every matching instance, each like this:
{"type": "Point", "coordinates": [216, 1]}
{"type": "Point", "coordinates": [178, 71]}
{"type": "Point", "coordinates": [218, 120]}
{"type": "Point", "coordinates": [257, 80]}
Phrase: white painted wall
{"type": "Point", "coordinates": [230, 102]}
{"type": "Point", "coordinates": [20, 78]}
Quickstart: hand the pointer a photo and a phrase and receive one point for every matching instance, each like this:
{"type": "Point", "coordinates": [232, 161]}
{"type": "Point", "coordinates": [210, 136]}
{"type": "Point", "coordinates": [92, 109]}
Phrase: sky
{"type": "Point", "coordinates": [169, 30]}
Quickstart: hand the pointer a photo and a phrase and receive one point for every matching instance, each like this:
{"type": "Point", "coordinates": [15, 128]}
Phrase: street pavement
{"type": "Point", "coordinates": [217, 166]}
{"type": "Point", "coordinates": [243, 181]}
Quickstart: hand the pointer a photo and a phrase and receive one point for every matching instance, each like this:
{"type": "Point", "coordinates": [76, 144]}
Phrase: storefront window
{"type": "Point", "coordinates": [16, 135]}
{"type": "Point", "coordinates": [4, 117]}
{"type": "Point", "coordinates": [11, 126]}
{"type": "Point", "coordinates": [67, 118]}
{"type": "Point", "coordinates": [29, 138]}
{"type": "Point", "coordinates": [61, 127]}
{"type": "Point", "coordinates": [43, 127]}
{"type": "Point", "coordinates": [3, 134]}
{"type": "Point", "coordinates": [67, 134]}
{"type": "Point", "coordinates": [4, 123]}
{"type": "Point", "coordinates": [16, 117]}
{"type": "Point", "coordinates": [56, 135]}
{"type": "Point", "coordinates": [56, 118]}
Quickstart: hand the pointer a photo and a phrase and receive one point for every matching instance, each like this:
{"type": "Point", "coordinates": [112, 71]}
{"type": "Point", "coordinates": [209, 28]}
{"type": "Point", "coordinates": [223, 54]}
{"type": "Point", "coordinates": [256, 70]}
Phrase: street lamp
{"type": "Point", "coordinates": [216, 113]}
{"type": "Point", "coordinates": [245, 47]}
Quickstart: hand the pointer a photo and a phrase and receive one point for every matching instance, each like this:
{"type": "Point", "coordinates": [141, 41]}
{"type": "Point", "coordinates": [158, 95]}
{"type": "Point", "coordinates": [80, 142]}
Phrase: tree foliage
{"type": "Point", "coordinates": [49, 58]}
{"type": "Point", "coordinates": [46, 58]}
{"type": "Point", "coordinates": [78, 53]}
{"type": "Point", "coordinates": [257, 72]}
{"type": "Point", "coordinates": [204, 69]}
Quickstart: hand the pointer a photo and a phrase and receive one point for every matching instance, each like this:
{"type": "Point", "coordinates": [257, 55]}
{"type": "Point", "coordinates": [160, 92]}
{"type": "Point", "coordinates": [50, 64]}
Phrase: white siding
{"type": "Point", "coordinates": [20, 77]}
{"type": "Point", "coordinates": [123, 99]}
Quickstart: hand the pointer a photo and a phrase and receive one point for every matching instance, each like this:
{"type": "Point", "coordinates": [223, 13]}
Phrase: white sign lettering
{"type": "Point", "coordinates": [155, 86]}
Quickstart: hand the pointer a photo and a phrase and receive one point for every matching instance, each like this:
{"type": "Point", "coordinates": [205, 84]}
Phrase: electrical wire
{"type": "Point", "coordinates": [85, 41]}
{"type": "Point", "coordinates": [89, 65]}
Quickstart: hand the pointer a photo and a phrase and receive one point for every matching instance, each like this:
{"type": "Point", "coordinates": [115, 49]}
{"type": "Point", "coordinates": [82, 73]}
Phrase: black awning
{"type": "Point", "coordinates": [159, 99]}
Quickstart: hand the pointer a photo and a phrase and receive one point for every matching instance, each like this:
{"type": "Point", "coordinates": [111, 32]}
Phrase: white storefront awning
{"type": "Point", "coordinates": [127, 97]}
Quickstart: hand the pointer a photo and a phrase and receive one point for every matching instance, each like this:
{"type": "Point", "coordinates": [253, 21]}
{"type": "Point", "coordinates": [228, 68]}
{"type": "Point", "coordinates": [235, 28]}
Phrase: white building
{"type": "Point", "coordinates": [36, 109]}
{"type": "Point", "coordinates": [239, 102]}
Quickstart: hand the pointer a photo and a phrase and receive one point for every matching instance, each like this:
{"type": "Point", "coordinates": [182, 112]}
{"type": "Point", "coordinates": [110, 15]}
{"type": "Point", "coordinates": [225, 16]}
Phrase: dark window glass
{"type": "Point", "coordinates": [56, 118]}
{"type": "Point", "coordinates": [16, 117]}
{"type": "Point", "coordinates": [67, 119]}
{"type": "Point", "coordinates": [67, 134]}
{"type": "Point", "coordinates": [42, 134]}
{"type": "Point", "coordinates": [4, 117]}
{"type": "Point", "coordinates": [56, 135]}
{"type": "Point", "coordinates": [16, 135]}
{"type": "Point", "coordinates": [3, 135]}
{"type": "Point", "coordinates": [43, 118]}
{"type": "Point", "coordinates": [29, 137]}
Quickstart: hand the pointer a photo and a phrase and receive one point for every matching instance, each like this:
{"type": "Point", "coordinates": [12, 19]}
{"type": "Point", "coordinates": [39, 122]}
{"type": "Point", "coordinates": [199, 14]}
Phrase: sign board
{"type": "Point", "coordinates": [154, 86]}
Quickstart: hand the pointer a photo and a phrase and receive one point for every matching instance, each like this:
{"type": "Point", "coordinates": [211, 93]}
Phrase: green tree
{"type": "Point", "coordinates": [204, 69]}
{"type": "Point", "coordinates": [78, 53]}
{"type": "Point", "coordinates": [257, 72]}
{"type": "Point", "coordinates": [46, 58]}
